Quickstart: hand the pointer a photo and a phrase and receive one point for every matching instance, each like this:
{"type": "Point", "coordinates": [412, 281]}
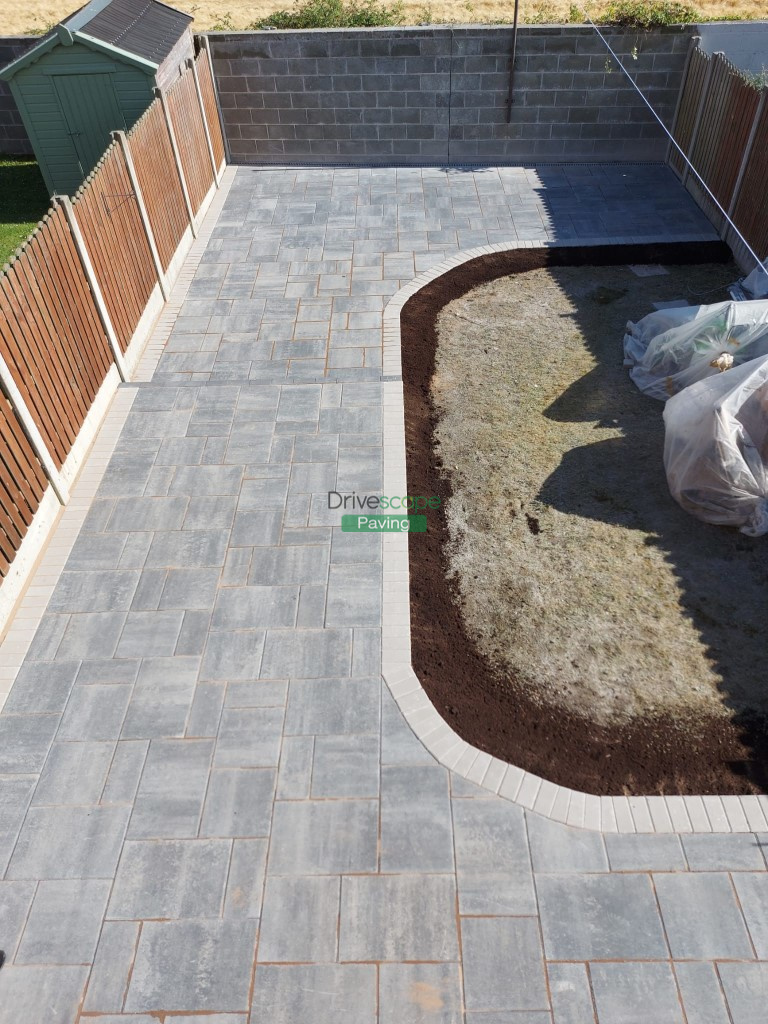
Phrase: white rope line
{"type": "Point", "coordinates": [666, 131]}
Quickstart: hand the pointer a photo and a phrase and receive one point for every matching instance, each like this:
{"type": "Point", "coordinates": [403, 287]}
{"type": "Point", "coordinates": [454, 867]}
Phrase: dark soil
{"type": "Point", "coordinates": [491, 710]}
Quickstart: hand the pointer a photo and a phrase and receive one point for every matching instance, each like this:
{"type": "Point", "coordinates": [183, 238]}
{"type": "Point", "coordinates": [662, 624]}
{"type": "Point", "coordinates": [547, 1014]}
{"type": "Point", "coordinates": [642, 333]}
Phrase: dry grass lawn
{"type": "Point", "coordinates": [22, 16]}
{"type": "Point", "coordinates": [578, 573]}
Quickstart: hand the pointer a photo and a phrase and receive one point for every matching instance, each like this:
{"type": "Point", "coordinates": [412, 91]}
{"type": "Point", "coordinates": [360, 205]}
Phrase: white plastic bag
{"type": "Point", "coordinates": [716, 448]}
{"type": "Point", "coordinates": [673, 348]}
{"type": "Point", "coordinates": [753, 286]}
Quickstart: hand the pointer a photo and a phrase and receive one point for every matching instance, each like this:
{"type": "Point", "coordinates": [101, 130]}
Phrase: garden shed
{"type": "Point", "coordinates": [92, 74]}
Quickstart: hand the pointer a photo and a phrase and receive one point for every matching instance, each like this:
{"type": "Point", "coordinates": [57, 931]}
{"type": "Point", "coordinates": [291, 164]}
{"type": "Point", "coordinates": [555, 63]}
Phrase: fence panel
{"type": "Point", "coordinates": [751, 211]}
{"type": "Point", "coordinates": [187, 120]}
{"type": "Point", "coordinates": [689, 106]}
{"type": "Point", "coordinates": [50, 334]}
{"type": "Point", "coordinates": [205, 78]}
{"type": "Point", "coordinates": [716, 128]}
{"type": "Point", "coordinates": [110, 222]}
{"type": "Point", "coordinates": [22, 485]}
{"type": "Point", "coordinates": [159, 181]}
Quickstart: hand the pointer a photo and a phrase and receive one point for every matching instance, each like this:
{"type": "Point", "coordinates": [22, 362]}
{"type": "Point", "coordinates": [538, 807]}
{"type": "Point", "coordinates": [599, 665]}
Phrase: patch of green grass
{"type": "Point", "coordinates": [335, 14]}
{"type": "Point", "coordinates": [23, 201]}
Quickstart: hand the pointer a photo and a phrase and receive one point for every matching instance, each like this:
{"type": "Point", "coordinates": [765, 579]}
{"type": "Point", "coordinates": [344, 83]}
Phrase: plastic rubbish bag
{"type": "Point", "coordinates": [673, 348]}
{"type": "Point", "coordinates": [753, 286]}
{"type": "Point", "coordinates": [716, 448]}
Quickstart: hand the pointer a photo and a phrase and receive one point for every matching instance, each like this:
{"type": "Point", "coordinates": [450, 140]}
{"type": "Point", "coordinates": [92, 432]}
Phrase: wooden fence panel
{"type": "Point", "coordinates": [22, 485]}
{"type": "Point", "coordinates": [159, 181]}
{"type": "Point", "coordinates": [110, 222]}
{"type": "Point", "coordinates": [50, 334]}
{"type": "Point", "coordinates": [211, 107]}
{"type": "Point", "coordinates": [714, 126]}
{"type": "Point", "coordinates": [751, 211]}
{"type": "Point", "coordinates": [689, 105]}
{"type": "Point", "coordinates": [187, 120]}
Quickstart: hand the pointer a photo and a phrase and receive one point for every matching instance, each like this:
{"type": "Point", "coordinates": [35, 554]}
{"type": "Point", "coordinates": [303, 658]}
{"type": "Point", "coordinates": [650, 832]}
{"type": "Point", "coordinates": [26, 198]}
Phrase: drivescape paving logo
{"type": "Point", "coordinates": [382, 513]}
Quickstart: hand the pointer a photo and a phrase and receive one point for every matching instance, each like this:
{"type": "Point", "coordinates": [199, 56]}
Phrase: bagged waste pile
{"type": "Point", "coordinates": [716, 448]}
{"type": "Point", "coordinates": [673, 348]}
{"type": "Point", "coordinates": [753, 286]}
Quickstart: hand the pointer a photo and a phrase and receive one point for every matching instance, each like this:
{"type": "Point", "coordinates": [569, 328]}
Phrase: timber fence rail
{"type": "Point", "coordinates": [722, 127]}
{"type": "Point", "coordinates": [78, 300]}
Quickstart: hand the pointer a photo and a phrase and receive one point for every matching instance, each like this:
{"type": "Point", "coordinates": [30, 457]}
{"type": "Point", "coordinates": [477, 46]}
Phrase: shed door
{"type": "Point", "coordinates": [91, 112]}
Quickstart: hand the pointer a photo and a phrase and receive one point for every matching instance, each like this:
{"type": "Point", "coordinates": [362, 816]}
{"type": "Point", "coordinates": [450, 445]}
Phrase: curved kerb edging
{"type": "Point", "coordinates": [649, 814]}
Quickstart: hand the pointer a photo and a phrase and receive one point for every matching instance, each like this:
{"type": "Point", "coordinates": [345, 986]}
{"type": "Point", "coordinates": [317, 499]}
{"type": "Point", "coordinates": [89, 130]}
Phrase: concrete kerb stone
{"type": "Point", "coordinates": [614, 814]}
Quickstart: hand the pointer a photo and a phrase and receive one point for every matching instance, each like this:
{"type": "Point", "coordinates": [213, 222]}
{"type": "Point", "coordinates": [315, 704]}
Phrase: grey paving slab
{"type": "Point", "coordinates": [503, 968]}
{"type": "Point", "coordinates": [25, 741]}
{"type": "Point", "coordinates": [15, 901]}
{"type": "Point", "coordinates": [752, 893]}
{"type": "Point", "coordinates": [299, 920]}
{"type": "Point", "coordinates": [492, 858]}
{"type": "Point", "coordinates": [333, 706]}
{"type": "Point", "coordinates": [746, 991]}
{"type": "Point", "coordinates": [597, 917]}
{"type": "Point", "coordinates": [256, 607]}
{"type": "Point", "coordinates": [324, 837]}
{"type": "Point", "coordinates": [74, 773]}
{"type": "Point", "coordinates": [112, 966]}
{"type": "Point", "coordinates": [632, 992]}
{"type": "Point", "coordinates": [398, 917]}
{"type": "Point", "coordinates": [69, 842]}
{"type": "Point", "coordinates": [738, 852]}
{"type": "Point", "coordinates": [321, 993]}
{"type": "Point", "coordinates": [249, 738]}
{"type": "Point", "coordinates": [170, 879]}
{"type": "Point", "coordinates": [420, 994]}
{"type": "Point", "coordinates": [645, 852]}
{"type": "Point", "coordinates": [125, 772]}
{"type": "Point", "coordinates": [50, 994]}
{"type": "Point", "coordinates": [702, 917]}
{"type": "Point", "coordinates": [416, 826]}
{"type": "Point", "coordinates": [701, 993]}
{"type": "Point", "coordinates": [231, 655]}
{"type": "Point", "coordinates": [170, 797]}
{"type": "Point", "coordinates": [345, 766]}
{"type": "Point", "coordinates": [571, 993]}
{"type": "Point", "coordinates": [239, 802]}
{"type": "Point", "coordinates": [245, 885]}
{"type": "Point", "coordinates": [558, 848]}
{"type": "Point", "coordinates": [192, 966]}
{"type": "Point", "coordinates": [64, 922]}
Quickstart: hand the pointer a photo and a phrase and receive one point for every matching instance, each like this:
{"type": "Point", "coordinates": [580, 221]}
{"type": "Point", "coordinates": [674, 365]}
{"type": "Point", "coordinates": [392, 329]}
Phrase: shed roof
{"type": "Point", "coordinates": [141, 32]}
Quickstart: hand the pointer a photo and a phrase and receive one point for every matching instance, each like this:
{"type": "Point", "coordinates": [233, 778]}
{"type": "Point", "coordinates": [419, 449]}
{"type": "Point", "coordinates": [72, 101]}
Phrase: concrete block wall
{"type": "Point", "coordinates": [439, 94]}
{"type": "Point", "coordinates": [13, 134]}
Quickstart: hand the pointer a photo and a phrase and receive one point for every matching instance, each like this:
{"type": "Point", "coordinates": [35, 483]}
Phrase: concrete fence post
{"type": "Point", "coordinates": [177, 158]}
{"type": "Point", "coordinates": [193, 68]}
{"type": "Point", "coordinates": [98, 297]}
{"type": "Point", "coordinates": [703, 101]}
{"type": "Point", "coordinates": [748, 150]}
{"type": "Point", "coordinates": [692, 46]}
{"type": "Point", "coordinates": [13, 394]}
{"type": "Point", "coordinates": [121, 138]}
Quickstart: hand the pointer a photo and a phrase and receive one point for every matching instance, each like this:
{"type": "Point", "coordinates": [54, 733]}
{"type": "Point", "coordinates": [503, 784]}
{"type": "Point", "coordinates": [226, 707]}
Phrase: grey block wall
{"type": "Point", "coordinates": [13, 134]}
{"type": "Point", "coordinates": [439, 94]}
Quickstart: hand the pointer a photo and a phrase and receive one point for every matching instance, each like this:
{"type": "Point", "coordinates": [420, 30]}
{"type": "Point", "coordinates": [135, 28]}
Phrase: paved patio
{"type": "Point", "coordinates": [211, 810]}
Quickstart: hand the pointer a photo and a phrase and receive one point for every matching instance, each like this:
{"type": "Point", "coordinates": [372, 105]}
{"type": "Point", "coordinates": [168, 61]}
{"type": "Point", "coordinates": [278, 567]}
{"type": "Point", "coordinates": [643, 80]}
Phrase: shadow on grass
{"type": "Point", "coordinates": [721, 572]}
{"type": "Point", "coordinates": [23, 201]}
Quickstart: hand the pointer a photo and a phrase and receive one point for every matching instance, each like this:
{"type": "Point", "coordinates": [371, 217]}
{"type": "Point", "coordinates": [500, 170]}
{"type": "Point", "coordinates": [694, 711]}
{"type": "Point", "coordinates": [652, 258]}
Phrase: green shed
{"type": "Point", "coordinates": [92, 74]}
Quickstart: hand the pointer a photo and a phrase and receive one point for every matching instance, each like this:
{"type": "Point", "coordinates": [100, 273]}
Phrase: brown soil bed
{"type": "Point", "coordinates": [694, 750]}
